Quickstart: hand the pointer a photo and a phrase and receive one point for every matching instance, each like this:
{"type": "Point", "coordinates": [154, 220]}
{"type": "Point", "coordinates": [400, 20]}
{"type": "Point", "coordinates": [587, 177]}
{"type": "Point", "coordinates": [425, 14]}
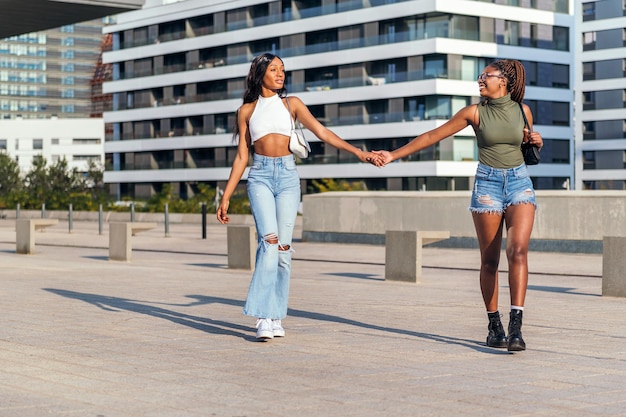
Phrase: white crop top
{"type": "Point", "coordinates": [269, 116]}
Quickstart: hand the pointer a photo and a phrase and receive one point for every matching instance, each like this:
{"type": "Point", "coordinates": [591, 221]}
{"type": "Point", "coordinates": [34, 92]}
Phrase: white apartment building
{"type": "Point", "coordinates": [77, 140]}
{"type": "Point", "coordinates": [376, 72]}
{"type": "Point", "coordinates": [601, 92]}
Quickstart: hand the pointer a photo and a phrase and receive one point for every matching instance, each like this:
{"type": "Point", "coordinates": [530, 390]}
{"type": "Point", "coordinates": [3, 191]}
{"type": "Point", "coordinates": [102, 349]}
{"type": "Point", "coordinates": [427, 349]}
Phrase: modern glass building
{"type": "Point", "coordinates": [48, 74]}
{"type": "Point", "coordinates": [377, 72]}
{"type": "Point", "coordinates": [601, 116]}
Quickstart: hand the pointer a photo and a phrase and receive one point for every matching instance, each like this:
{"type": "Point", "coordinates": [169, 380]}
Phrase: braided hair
{"type": "Point", "coordinates": [515, 74]}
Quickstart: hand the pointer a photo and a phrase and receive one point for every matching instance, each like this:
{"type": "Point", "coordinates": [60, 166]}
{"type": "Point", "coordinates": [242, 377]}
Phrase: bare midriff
{"type": "Point", "coordinates": [272, 145]}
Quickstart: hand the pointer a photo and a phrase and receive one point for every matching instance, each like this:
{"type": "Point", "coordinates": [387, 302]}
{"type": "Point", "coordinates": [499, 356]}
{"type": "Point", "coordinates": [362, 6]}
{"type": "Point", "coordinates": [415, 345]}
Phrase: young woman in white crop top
{"type": "Point", "coordinates": [264, 125]}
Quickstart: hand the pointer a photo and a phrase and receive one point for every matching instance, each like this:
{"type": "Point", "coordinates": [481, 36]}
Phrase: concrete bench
{"type": "Point", "coordinates": [242, 244]}
{"type": "Point", "coordinates": [25, 233]}
{"type": "Point", "coordinates": [613, 266]}
{"type": "Point", "coordinates": [120, 238]}
{"type": "Point", "coordinates": [403, 253]}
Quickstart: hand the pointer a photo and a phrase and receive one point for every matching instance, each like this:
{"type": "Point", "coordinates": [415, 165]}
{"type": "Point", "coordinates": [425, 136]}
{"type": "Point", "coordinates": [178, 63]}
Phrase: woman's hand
{"type": "Point", "coordinates": [382, 158]}
{"type": "Point", "coordinates": [222, 212]}
{"type": "Point", "coordinates": [367, 157]}
{"type": "Point", "coordinates": [536, 140]}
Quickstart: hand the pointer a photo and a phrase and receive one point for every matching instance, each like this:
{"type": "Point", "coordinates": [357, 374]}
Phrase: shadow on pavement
{"type": "Point", "coordinates": [113, 304]}
{"type": "Point", "coordinates": [204, 324]}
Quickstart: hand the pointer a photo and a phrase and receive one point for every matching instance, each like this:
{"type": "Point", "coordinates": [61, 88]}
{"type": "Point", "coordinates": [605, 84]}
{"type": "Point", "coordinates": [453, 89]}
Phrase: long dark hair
{"type": "Point", "coordinates": [254, 82]}
{"type": "Point", "coordinates": [255, 76]}
{"type": "Point", "coordinates": [515, 74]}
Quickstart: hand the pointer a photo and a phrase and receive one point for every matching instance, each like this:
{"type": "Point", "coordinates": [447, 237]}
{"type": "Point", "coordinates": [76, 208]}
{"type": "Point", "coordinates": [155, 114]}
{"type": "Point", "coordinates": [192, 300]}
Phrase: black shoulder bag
{"type": "Point", "coordinates": [530, 152]}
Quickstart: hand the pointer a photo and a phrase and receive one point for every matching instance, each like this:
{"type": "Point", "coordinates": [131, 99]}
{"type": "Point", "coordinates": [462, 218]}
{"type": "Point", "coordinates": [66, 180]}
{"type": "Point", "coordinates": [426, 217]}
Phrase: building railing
{"type": "Point", "coordinates": [438, 29]}
{"type": "Point", "coordinates": [320, 85]}
{"type": "Point", "coordinates": [289, 14]}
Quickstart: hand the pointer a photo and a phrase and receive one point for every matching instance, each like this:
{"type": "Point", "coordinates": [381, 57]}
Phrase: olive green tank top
{"type": "Point", "coordinates": [500, 133]}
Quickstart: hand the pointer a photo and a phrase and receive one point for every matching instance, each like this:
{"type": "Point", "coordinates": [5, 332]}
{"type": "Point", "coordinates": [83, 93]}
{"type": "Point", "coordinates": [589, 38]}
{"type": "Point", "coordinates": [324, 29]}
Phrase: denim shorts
{"type": "Point", "coordinates": [495, 189]}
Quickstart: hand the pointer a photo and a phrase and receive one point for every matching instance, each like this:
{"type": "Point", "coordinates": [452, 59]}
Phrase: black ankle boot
{"type": "Point", "coordinates": [496, 337]}
{"type": "Point", "coordinates": [516, 343]}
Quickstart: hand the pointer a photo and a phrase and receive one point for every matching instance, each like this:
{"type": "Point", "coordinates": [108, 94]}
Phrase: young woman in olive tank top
{"type": "Point", "coordinates": [503, 195]}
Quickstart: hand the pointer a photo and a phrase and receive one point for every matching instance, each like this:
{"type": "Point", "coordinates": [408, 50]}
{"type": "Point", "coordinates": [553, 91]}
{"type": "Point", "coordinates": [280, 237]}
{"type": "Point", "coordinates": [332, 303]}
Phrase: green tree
{"type": "Point", "coordinates": [36, 184]}
{"type": "Point", "coordinates": [11, 185]}
{"type": "Point", "coordinates": [93, 190]}
{"type": "Point", "coordinates": [54, 185]}
{"type": "Point", "coordinates": [329, 184]}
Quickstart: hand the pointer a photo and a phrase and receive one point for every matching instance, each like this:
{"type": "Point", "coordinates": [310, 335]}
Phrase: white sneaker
{"type": "Point", "coordinates": [264, 329]}
{"type": "Point", "coordinates": [277, 328]}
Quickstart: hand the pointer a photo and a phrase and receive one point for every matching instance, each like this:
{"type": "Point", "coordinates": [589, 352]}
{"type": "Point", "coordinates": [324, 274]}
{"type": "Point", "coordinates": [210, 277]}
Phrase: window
{"type": "Point", "coordinates": [589, 11]}
{"type": "Point", "coordinates": [435, 66]}
{"type": "Point", "coordinates": [589, 70]}
{"type": "Point", "coordinates": [560, 76]}
{"type": "Point", "coordinates": [531, 72]}
{"type": "Point", "coordinates": [3, 144]}
{"type": "Point", "coordinates": [86, 158]}
{"type": "Point", "coordinates": [511, 32]}
{"type": "Point", "coordinates": [560, 36]}
{"type": "Point", "coordinates": [589, 130]}
{"type": "Point", "coordinates": [589, 160]}
{"type": "Point", "coordinates": [55, 141]}
{"type": "Point", "coordinates": [37, 144]}
{"type": "Point", "coordinates": [589, 41]}
{"type": "Point", "coordinates": [589, 99]}
{"type": "Point", "coordinates": [86, 141]}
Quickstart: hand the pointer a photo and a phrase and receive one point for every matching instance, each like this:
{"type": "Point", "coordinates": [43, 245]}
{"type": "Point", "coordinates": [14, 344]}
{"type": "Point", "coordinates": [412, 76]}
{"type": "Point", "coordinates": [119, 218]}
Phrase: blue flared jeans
{"type": "Point", "coordinates": [274, 193]}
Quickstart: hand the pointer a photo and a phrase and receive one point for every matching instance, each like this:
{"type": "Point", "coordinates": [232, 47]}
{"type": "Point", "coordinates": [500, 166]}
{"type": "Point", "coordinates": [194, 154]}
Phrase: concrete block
{"type": "Point", "coordinates": [120, 238]}
{"type": "Point", "coordinates": [25, 233]}
{"type": "Point", "coordinates": [403, 253]}
{"type": "Point", "coordinates": [613, 266]}
{"type": "Point", "coordinates": [242, 244]}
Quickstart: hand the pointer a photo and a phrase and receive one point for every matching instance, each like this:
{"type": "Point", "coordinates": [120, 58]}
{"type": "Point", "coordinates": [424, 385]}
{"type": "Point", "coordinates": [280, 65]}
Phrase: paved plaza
{"type": "Point", "coordinates": [163, 335]}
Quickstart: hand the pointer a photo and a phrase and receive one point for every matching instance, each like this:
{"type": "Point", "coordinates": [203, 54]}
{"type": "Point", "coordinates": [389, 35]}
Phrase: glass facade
{"type": "Point", "coordinates": [187, 90]}
{"type": "Point", "coordinates": [48, 73]}
{"type": "Point", "coordinates": [602, 95]}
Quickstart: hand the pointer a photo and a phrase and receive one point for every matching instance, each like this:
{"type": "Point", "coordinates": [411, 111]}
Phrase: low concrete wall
{"type": "Point", "coordinates": [566, 221]}
{"type": "Point", "coordinates": [114, 216]}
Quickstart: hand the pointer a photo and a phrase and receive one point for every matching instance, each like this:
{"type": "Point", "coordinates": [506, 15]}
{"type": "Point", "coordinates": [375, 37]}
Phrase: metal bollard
{"type": "Point", "coordinates": [100, 219]}
{"type": "Point", "coordinates": [43, 211]}
{"type": "Point", "coordinates": [167, 220]}
{"type": "Point", "coordinates": [70, 219]}
{"type": "Point", "coordinates": [132, 212]}
{"type": "Point", "coordinates": [203, 220]}
{"type": "Point", "coordinates": [17, 211]}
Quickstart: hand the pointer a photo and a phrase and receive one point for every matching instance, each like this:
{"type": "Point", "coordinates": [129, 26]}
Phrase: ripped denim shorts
{"type": "Point", "coordinates": [495, 189]}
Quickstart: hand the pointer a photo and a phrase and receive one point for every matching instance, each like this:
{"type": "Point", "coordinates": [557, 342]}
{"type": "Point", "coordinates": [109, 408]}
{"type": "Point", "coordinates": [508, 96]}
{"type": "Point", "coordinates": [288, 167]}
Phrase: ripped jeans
{"type": "Point", "coordinates": [274, 193]}
{"type": "Point", "coordinates": [495, 189]}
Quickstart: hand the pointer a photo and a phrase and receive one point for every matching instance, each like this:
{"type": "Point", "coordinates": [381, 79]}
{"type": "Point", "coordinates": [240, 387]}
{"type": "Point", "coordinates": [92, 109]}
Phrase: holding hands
{"type": "Point", "coordinates": [378, 158]}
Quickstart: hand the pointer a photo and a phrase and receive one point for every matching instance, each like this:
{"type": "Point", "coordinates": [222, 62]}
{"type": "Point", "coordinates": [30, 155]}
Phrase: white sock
{"type": "Point", "coordinates": [517, 308]}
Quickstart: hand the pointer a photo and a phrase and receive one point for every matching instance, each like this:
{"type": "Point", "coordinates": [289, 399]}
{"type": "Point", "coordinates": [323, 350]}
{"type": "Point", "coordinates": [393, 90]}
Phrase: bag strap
{"type": "Point", "coordinates": [290, 117]}
{"type": "Point", "coordinates": [293, 127]}
{"type": "Point", "coordinates": [526, 124]}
